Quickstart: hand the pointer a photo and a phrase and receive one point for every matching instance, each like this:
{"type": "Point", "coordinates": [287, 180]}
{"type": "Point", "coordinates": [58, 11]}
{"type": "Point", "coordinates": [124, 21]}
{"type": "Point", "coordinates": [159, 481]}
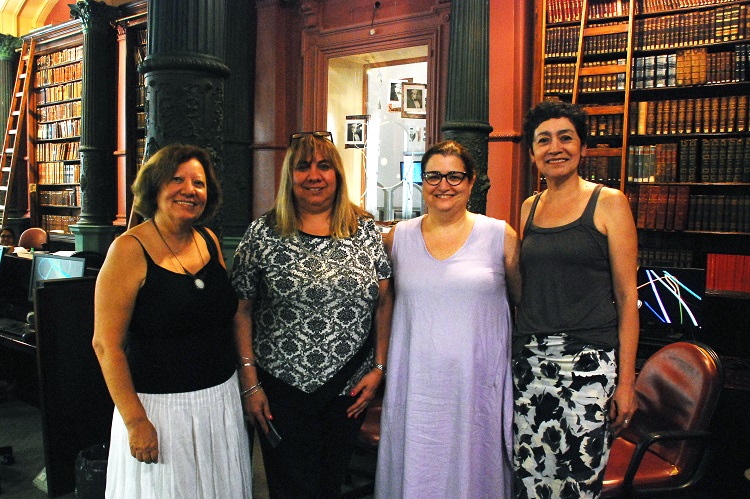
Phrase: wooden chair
{"type": "Point", "coordinates": [34, 237]}
{"type": "Point", "coordinates": [665, 447]}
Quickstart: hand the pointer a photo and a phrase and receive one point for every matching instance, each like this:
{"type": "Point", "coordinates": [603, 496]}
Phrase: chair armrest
{"type": "Point", "coordinates": [653, 437]}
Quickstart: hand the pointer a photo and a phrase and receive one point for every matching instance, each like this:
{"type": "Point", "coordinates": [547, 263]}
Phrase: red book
{"type": "Point", "coordinates": [710, 271]}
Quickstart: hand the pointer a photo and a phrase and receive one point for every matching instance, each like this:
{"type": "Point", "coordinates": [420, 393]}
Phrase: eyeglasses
{"type": "Point", "coordinates": [321, 134]}
{"type": "Point", "coordinates": [453, 178]}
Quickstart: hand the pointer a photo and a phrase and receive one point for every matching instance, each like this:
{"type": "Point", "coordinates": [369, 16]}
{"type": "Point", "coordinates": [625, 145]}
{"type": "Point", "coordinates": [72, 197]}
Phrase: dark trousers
{"type": "Point", "coordinates": [315, 449]}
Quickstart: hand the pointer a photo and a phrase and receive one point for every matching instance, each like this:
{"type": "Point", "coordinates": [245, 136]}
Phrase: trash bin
{"type": "Point", "coordinates": [91, 472]}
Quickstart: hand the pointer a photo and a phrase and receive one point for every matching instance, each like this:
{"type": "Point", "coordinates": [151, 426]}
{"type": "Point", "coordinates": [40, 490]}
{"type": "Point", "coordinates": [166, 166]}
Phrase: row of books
{"type": "Point", "coordinates": [62, 74]}
{"type": "Point", "coordinates": [562, 41]}
{"type": "Point", "coordinates": [650, 6]}
{"type": "Point", "coordinates": [660, 207]}
{"type": "Point", "coordinates": [53, 95]}
{"type": "Point", "coordinates": [604, 125]}
{"type": "Point", "coordinates": [57, 151]}
{"type": "Point", "coordinates": [661, 257]}
{"type": "Point", "coordinates": [601, 168]}
{"type": "Point", "coordinates": [652, 163]}
{"type": "Point", "coordinates": [725, 114]}
{"type": "Point", "coordinates": [58, 223]}
{"type": "Point", "coordinates": [66, 197]}
{"type": "Point", "coordinates": [559, 78]}
{"type": "Point", "coordinates": [58, 173]}
{"type": "Point", "coordinates": [719, 213]}
{"type": "Point", "coordinates": [672, 207]}
{"type": "Point", "coordinates": [73, 54]}
{"type": "Point", "coordinates": [63, 129]}
{"type": "Point", "coordinates": [698, 27]}
{"type": "Point", "coordinates": [725, 160]}
{"type": "Point", "coordinates": [559, 11]}
{"type": "Point", "coordinates": [728, 272]}
{"type": "Point", "coordinates": [61, 111]}
{"type": "Point", "coordinates": [570, 10]}
{"type": "Point", "coordinates": [717, 161]}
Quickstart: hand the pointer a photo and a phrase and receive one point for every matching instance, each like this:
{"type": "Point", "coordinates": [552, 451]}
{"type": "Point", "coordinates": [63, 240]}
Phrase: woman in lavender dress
{"type": "Point", "coordinates": [447, 412]}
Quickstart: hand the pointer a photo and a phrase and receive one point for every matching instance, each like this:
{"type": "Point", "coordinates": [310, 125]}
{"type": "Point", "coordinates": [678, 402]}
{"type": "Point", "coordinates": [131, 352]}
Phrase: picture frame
{"type": "Point", "coordinates": [356, 131]}
{"type": "Point", "coordinates": [414, 100]}
{"type": "Point", "coordinates": [395, 90]}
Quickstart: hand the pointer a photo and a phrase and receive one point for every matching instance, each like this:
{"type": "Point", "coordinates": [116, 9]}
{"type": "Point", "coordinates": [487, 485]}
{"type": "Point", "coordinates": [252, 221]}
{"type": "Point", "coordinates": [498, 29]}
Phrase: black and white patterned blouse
{"type": "Point", "coordinates": [313, 299]}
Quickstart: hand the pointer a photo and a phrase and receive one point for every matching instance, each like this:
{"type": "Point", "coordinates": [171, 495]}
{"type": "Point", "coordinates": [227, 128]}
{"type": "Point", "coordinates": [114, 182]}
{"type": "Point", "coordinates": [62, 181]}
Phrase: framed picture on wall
{"type": "Point", "coordinates": [356, 131]}
{"type": "Point", "coordinates": [413, 100]}
{"type": "Point", "coordinates": [394, 94]}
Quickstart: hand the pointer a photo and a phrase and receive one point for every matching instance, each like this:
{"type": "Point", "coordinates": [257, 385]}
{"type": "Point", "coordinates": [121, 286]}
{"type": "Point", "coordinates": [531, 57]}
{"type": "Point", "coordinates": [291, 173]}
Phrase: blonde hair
{"type": "Point", "coordinates": [344, 214]}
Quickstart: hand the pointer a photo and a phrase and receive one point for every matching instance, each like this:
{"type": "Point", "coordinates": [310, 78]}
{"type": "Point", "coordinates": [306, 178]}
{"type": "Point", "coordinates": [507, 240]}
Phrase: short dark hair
{"type": "Point", "coordinates": [160, 168]}
{"type": "Point", "coordinates": [9, 229]}
{"type": "Point", "coordinates": [550, 109]}
{"type": "Point", "coordinates": [451, 148]}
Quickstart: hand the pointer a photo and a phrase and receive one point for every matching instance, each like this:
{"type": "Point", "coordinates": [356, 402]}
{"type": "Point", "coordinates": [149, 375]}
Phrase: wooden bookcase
{"type": "Point", "coordinates": [686, 129]}
{"type": "Point", "coordinates": [54, 122]}
{"type": "Point", "coordinates": [131, 142]}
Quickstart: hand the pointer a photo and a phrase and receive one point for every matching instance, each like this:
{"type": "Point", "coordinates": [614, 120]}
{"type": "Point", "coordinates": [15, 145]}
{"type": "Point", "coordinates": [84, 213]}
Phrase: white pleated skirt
{"type": "Point", "coordinates": [204, 450]}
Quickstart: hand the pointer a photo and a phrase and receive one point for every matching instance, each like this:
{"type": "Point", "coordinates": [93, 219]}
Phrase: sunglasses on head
{"type": "Point", "coordinates": [320, 134]}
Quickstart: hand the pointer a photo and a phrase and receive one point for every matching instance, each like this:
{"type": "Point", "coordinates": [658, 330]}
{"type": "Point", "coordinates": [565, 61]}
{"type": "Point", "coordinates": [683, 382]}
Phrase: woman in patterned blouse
{"type": "Point", "coordinates": [315, 302]}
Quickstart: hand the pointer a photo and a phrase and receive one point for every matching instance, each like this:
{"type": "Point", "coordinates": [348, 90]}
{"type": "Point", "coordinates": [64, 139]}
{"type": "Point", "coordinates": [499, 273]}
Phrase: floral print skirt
{"type": "Point", "coordinates": [561, 428]}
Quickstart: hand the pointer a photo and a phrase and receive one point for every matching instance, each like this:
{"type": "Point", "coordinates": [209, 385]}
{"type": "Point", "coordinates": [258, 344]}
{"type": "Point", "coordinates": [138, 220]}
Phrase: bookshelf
{"type": "Point", "coordinates": [133, 48]}
{"type": "Point", "coordinates": [685, 167]}
{"type": "Point", "coordinates": [54, 135]}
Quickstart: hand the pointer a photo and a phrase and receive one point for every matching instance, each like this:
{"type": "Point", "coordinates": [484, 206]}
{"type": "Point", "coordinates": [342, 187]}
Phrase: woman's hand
{"type": "Point", "coordinates": [622, 407]}
{"type": "Point", "coordinates": [144, 443]}
{"type": "Point", "coordinates": [366, 389]}
{"type": "Point", "coordinates": [257, 409]}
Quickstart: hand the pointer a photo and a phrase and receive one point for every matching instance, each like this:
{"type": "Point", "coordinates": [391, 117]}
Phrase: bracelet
{"type": "Point", "coordinates": [248, 364]}
{"type": "Point", "coordinates": [247, 359]}
{"type": "Point", "coordinates": [380, 366]}
{"type": "Point", "coordinates": [253, 392]}
{"type": "Point", "coordinates": [246, 393]}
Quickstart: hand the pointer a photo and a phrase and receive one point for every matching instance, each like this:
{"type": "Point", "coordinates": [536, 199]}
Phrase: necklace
{"type": "Point", "coordinates": [199, 284]}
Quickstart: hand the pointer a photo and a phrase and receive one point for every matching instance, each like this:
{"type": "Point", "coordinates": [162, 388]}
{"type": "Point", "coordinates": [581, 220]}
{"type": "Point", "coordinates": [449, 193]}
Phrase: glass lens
{"type": "Point", "coordinates": [453, 178]}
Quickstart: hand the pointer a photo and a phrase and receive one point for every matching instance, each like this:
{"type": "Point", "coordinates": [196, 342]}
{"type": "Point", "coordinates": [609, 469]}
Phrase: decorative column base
{"type": "Point", "coordinates": [94, 237]}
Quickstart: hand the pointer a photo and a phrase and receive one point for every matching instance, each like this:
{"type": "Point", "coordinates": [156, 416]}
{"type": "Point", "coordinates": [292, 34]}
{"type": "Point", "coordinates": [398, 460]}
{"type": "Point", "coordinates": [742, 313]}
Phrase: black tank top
{"type": "Point", "coordinates": [567, 281]}
{"type": "Point", "coordinates": [181, 337]}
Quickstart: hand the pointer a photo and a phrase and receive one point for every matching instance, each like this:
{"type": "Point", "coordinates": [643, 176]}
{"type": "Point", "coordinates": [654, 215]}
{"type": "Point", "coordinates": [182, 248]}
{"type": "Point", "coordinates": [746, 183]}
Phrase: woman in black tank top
{"type": "Point", "coordinates": [163, 334]}
{"type": "Point", "coordinates": [577, 330]}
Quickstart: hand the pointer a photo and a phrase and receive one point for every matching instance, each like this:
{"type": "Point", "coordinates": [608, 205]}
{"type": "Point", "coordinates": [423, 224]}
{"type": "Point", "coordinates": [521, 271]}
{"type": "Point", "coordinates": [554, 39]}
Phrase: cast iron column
{"type": "Point", "coordinates": [467, 112]}
{"type": "Point", "coordinates": [184, 74]}
{"type": "Point", "coordinates": [240, 31]}
{"type": "Point", "coordinates": [98, 113]}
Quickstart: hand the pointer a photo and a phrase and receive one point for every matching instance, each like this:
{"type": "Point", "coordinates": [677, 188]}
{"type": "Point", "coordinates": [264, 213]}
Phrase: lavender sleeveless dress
{"type": "Point", "coordinates": [447, 414]}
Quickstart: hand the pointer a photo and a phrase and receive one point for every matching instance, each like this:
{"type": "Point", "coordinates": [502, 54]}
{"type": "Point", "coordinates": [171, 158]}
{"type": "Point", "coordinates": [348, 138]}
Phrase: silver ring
{"type": "Point", "coordinates": [627, 421]}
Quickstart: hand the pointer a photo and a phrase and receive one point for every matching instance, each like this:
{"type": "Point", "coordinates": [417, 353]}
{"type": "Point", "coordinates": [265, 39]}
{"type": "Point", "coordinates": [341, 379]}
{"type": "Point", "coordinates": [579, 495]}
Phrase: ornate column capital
{"type": "Point", "coordinates": [8, 46]}
{"type": "Point", "coordinates": [94, 15]}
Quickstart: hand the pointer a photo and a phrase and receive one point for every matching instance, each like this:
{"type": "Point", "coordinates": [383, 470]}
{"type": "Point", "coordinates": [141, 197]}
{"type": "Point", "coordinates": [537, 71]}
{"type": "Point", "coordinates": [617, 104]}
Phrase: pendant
{"type": "Point", "coordinates": [199, 283]}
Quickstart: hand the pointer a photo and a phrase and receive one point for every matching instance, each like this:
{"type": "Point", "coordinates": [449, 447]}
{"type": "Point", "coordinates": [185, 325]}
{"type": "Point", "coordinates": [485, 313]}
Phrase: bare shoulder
{"type": "Point", "coordinates": [613, 200]}
{"type": "Point", "coordinates": [613, 212]}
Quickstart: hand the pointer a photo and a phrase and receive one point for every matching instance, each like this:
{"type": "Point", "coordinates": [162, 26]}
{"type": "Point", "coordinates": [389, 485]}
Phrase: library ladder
{"type": "Point", "coordinates": [621, 107]}
{"type": "Point", "coordinates": [13, 139]}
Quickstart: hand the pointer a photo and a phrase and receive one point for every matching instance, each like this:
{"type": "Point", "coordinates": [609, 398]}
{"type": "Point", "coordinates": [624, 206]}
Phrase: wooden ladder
{"type": "Point", "coordinates": [13, 141]}
{"type": "Point", "coordinates": [619, 108]}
